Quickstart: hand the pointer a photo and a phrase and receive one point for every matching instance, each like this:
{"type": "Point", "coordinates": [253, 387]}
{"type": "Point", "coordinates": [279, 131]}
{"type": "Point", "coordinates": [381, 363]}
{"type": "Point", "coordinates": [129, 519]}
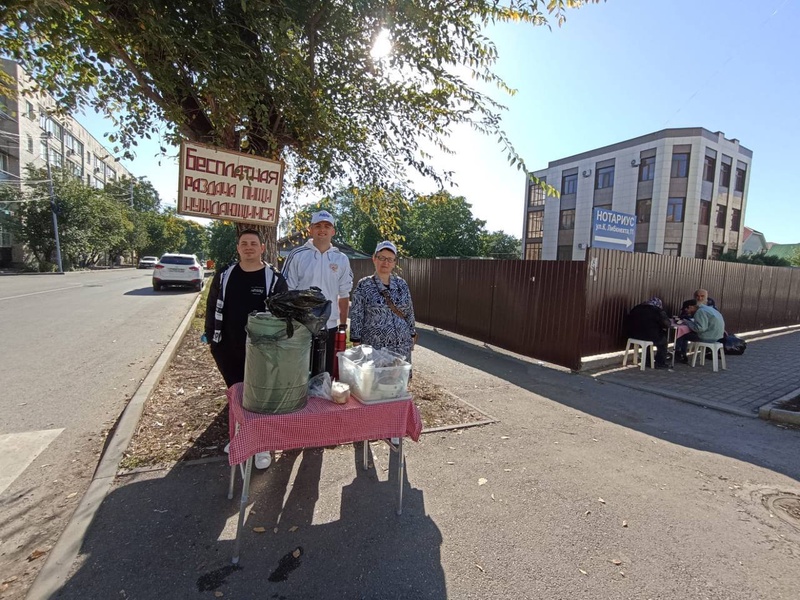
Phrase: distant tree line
{"type": "Point", "coordinates": [761, 259]}
{"type": "Point", "coordinates": [124, 219]}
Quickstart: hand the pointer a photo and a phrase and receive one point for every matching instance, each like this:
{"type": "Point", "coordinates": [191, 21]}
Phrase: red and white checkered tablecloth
{"type": "Point", "coordinates": [320, 423]}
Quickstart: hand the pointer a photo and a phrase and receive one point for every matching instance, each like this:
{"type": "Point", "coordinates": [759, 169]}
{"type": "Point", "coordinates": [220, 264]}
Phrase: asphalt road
{"type": "Point", "coordinates": [74, 350]}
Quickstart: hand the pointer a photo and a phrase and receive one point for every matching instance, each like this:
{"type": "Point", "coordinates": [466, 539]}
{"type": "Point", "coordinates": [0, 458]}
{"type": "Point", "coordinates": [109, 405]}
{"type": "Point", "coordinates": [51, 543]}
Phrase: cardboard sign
{"type": "Point", "coordinates": [221, 184]}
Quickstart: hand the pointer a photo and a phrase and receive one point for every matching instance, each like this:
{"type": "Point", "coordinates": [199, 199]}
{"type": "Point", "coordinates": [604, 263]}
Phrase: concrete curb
{"type": "Point", "coordinates": [56, 569]}
{"type": "Point", "coordinates": [770, 412]}
{"type": "Point", "coordinates": [23, 273]}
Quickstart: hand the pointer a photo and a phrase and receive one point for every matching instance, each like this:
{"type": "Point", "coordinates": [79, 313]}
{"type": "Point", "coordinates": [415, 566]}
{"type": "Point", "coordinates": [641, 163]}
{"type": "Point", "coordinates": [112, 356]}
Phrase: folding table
{"type": "Point", "coordinates": [321, 423]}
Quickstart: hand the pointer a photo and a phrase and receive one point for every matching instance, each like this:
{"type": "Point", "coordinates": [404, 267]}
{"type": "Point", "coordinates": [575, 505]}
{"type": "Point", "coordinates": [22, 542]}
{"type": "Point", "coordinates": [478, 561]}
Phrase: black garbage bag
{"type": "Point", "coordinates": [308, 307]}
{"type": "Point", "coordinates": [733, 345]}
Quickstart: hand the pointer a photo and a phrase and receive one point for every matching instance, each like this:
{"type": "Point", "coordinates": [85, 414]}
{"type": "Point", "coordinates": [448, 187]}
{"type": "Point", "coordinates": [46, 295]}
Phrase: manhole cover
{"type": "Point", "coordinates": [784, 506]}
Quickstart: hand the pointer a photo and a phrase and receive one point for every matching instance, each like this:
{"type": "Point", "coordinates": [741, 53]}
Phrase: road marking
{"type": "Point", "coordinates": [42, 292]}
{"type": "Point", "coordinates": [18, 450]}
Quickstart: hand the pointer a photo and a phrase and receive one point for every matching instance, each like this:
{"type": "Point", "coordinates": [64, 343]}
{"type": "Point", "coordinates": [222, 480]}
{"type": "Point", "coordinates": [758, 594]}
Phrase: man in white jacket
{"type": "Point", "coordinates": [318, 263]}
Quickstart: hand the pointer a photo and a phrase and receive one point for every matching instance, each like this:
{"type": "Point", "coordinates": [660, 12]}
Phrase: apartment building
{"type": "Point", "coordinates": [30, 129]}
{"type": "Point", "coordinates": [687, 188]}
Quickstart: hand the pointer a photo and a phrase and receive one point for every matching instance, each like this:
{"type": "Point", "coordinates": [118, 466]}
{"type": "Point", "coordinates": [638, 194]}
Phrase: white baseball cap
{"type": "Point", "coordinates": [386, 245]}
{"type": "Point", "coordinates": [323, 215]}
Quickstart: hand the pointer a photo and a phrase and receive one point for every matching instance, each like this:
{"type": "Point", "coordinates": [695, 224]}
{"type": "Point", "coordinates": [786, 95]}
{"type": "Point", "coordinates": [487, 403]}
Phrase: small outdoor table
{"type": "Point", "coordinates": [677, 331]}
{"type": "Point", "coordinates": [321, 423]}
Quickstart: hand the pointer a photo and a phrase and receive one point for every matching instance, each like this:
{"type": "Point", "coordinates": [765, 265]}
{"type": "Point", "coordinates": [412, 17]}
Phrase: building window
{"type": "Point", "coordinates": [640, 247]}
{"type": "Point", "coordinates": [672, 249]}
{"type": "Point", "coordinates": [535, 223]}
{"type": "Point", "coordinates": [720, 222]}
{"type": "Point", "coordinates": [74, 147]}
{"type": "Point", "coordinates": [30, 144]}
{"type": "Point", "coordinates": [736, 219]}
{"type": "Point", "coordinates": [29, 112]}
{"type": "Point", "coordinates": [680, 164]}
{"type": "Point", "coordinates": [567, 220]}
{"type": "Point", "coordinates": [43, 150]}
{"type": "Point", "coordinates": [4, 165]}
{"type": "Point", "coordinates": [604, 178]}
{"type": "Point", "coordinates": [643, 208]}
{"type": "Point", "coordinates": [75, 169]}
{"type": "Point", "coordinates": [533, 251]}
{"type": "Point", "coordinates": [740, 176]}
{"type": "Point", "coordinates": [647, 168]}
{"type": "Point", "coordinates": [716, 251]}
{"type": "Point", "coordinates": [675, 210]}
{"type": "Point", "coordinates": [564, 252]}
{"type": "Point", "coordinates": [569, 184]}
{"type": "Point", "coordinates": [6, 241]}
{"type": "Point", "coordinates": [700, 251]}
{"type": "Point", "coordinates": [57, 159]}
{"type": "Point", "coordinates": [536, 194]}
{"type": "Point", "coordinates": [705, 212]}
{"type": "Point", "coordinates": [709, 168]}
{"type": "Point", "coordinates": [725, 175]}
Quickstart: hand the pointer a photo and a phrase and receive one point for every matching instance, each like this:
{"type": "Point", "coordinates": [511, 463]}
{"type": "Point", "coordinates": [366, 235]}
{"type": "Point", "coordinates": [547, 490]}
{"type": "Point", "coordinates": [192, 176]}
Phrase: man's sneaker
{"type": "Point", "coordinates": [263, 460]}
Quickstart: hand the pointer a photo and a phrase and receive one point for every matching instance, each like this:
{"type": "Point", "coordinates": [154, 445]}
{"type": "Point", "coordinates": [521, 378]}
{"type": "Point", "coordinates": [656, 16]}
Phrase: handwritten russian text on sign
{"type": "Point", "coordinates": [613, 230]}
{"type": "Point", "coordinates": [222, 184]}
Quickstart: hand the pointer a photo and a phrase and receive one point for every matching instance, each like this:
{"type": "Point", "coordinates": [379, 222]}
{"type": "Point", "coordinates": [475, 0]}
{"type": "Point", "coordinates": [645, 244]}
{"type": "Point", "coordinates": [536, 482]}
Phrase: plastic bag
{"type": "Point", "coordinates": [319, 386]}
{"type": "Point", "coordinates": [308, 307]}
{"type": "Point", "coordinates": [733, 345]}
{"type": "Point", "coordinates": [365, 355]}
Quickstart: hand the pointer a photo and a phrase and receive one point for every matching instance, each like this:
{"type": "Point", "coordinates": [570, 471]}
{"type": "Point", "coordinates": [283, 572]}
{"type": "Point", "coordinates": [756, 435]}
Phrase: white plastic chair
{"type": "Point", "coordinates": [643, 345]}
{"type": "Point", "coordinates": [717, 350]}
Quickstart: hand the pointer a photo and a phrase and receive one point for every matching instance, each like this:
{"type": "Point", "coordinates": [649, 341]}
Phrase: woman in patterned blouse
{"type": "Point", "coordinates": [382, 314]}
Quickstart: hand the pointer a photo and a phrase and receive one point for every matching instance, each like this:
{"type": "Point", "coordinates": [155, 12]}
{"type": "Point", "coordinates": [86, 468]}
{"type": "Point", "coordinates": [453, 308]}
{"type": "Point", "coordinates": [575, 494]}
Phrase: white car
{"type": "Point", "coordinates": [178, 269]}
{"type": "Point", "coordinates": [148, 262]}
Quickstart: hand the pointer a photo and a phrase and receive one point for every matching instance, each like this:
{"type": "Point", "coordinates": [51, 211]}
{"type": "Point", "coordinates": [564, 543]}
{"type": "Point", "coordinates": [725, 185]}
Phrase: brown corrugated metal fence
{"type": "Point", "coordinates": [558, 311]}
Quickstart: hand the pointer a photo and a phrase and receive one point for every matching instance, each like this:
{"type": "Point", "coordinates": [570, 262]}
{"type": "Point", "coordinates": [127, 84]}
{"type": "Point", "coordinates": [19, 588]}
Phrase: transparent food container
{"type": "Point", "coordinates": [370, 384]}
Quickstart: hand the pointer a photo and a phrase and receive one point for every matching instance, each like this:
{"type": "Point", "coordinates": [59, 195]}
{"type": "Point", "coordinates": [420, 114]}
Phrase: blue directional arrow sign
{"type": "Point", "coordinates": [613, 230]}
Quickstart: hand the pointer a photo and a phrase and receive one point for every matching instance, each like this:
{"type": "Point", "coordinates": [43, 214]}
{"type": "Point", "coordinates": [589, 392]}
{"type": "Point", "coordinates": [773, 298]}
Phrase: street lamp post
{"type": "Point", "coordinates": [53, 203]}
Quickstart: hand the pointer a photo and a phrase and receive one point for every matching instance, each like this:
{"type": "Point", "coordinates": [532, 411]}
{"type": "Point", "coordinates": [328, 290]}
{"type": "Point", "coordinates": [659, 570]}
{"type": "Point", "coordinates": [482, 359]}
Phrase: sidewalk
{"type": "Point", "coordinates": [583, 489]}
{"type": "Point", "coordinates": [766, 372]}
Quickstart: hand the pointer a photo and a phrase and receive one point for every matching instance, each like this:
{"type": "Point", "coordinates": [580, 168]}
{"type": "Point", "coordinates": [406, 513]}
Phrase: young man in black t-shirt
{"type": "Point", "coordinates": [235, 292]}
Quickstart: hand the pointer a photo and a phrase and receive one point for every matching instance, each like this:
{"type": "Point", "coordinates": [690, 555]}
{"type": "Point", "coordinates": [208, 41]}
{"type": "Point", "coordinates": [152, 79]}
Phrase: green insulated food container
{"type": "Point", "coordinates": [276, 366]}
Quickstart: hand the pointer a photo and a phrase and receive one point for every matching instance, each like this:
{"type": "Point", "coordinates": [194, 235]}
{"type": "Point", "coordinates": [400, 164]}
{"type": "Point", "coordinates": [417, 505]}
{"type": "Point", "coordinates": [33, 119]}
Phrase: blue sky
{"type": "Point", "coordinates": [619, 70]}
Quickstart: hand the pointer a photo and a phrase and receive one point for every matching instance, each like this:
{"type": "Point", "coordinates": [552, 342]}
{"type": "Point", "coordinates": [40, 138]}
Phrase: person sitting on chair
{"type": "Point", "coordinates": [706, 324]}
{"type": "Point", "coordinates": [648, 321]}
{"type": "Point", "coordinates": [702, 299]}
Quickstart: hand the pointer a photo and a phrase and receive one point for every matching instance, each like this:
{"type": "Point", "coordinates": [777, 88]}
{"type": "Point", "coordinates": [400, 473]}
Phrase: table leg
{"type": "Point", "coordinates": [674, 344]}
{"type": "Point", "coordinates": [400, 464]}
{"type": "Point", "coordinates": [248, 471]}
{"type": "Point", "coordinates": [365, 449]}
{"type": "Point", "coordinates": [230, 484]}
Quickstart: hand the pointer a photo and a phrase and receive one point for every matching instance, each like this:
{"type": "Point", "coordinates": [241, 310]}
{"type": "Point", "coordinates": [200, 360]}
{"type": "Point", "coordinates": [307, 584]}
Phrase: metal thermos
{"type": "Point", "coordinates": [318, 344]}
{"type": "Point", "coordinates": [339, 345]}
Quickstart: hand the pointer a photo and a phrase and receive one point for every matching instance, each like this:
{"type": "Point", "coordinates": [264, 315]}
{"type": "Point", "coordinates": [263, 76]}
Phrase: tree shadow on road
{"type": "Point", "coordinates": [746, 439]}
